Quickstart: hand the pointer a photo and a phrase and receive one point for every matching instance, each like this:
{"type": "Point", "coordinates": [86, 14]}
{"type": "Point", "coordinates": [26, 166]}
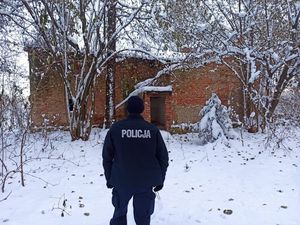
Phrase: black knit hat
{"type": "Point", "coordinates": [135, 105]}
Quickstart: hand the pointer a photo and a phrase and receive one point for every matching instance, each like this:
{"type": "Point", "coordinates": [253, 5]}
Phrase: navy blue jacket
{"type": "Point", "coordinates": [134, 154]}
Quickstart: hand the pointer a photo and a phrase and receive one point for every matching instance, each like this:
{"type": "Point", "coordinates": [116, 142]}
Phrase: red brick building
{"type": "Point", "coordinates": [181, 102]}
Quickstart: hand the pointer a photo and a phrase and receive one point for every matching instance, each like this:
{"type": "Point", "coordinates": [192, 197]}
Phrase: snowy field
{"type": "Point", "coordinates": [234, 183]}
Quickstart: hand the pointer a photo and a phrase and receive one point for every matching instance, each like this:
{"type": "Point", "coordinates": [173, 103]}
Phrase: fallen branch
{"type": "Point", "coordinates": [46, 182]}
{"type": "Point", "coordinates": [4, 179]}
{"type": "Point", "coordinates": [3, 164]}
{"type": "Point", "coordinates": [4, 199]}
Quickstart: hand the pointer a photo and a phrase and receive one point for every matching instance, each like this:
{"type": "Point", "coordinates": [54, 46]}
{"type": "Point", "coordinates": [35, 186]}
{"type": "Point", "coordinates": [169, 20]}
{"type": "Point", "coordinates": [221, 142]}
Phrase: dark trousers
{"type": "Point", "coordinates": [143, 205]}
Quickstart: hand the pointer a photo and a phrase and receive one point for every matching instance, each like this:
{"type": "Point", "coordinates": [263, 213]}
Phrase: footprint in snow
{"type": "Point", "coordinates": [227, 211]}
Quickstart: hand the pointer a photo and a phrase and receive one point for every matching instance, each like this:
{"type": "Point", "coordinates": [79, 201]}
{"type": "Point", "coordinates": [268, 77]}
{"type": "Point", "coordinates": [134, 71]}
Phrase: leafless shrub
{"type": "Point", "coordinates": [288, 111]}
{"type": "Point", "coordinates": [287, 117]}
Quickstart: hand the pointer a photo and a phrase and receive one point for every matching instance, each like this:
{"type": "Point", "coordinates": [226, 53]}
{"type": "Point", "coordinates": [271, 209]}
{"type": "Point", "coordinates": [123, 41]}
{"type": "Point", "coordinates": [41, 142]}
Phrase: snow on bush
{"type": "Point", "coordinates": [215, 121]}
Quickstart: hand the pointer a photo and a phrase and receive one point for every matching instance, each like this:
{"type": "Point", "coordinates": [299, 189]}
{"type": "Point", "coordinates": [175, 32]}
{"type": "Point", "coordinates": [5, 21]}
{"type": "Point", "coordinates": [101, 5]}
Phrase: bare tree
{"type": "Point", "coordinates": [111, 65]}
{"type": "Point", "coordinates": [258, 40]}
{"type": "Point", "coordinates": [13, 103]}
{"type": "Point", "coordinates": [85, 30]}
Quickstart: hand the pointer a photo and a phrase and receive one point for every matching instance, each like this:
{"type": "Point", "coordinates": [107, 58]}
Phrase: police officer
{"type": "Point", "coordinates": [135, 161]}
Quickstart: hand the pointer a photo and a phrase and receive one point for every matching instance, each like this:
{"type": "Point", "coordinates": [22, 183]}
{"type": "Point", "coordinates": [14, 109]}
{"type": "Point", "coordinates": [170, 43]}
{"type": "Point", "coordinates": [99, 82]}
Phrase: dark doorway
{"type": "Point", "coordinates": [158, 111]}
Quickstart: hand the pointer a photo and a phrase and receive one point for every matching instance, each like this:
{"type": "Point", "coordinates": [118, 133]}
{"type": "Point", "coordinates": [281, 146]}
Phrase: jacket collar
{"type": "Point", "coordinates": [135, 116]}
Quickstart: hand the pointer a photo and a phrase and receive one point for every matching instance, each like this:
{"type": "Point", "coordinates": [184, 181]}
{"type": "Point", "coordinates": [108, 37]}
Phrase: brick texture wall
{"type": "Point", "coordinates": [47, 98]}
{"type": "Point", "coordinates": [191, 89]}
{"type": "Point", "coordinates": [48, 104]}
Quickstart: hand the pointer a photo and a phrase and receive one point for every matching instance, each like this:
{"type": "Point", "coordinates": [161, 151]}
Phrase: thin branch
{"type": "Point", "coordinates": [4, 199]}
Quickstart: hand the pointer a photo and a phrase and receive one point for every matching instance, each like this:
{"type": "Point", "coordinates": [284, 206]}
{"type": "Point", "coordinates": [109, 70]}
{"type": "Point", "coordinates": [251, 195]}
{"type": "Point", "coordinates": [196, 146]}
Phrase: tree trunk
{"type": "Point", "coordinates": [281, 85]}
{"type": "Point", "coordinates": [80, 124]}
{"type": "Point", "coordinates": [252, 120]}
{"type": "Point", "coordinates": [111, 66]}
{"type": "Point", "coordinates": [81, 116]}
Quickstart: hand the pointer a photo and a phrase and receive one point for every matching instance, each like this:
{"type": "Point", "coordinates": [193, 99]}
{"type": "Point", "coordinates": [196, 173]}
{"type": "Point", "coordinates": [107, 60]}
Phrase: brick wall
{"type": "Point", "coordinates": [48, 104]}
{"type": "Point", "coordinates": [47, 95]}
{"type": "Point", "coordinates": [130, 72]}
{"type": "Point", "coordinates": [191, 89]}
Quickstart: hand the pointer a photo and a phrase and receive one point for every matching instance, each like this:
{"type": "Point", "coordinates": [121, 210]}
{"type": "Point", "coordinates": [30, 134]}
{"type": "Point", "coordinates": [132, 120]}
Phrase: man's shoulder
{"type": "Point", "coordinates": [117, 124]}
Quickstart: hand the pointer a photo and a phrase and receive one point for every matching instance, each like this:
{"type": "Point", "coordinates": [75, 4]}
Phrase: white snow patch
{"type": "Point", "coordinates": [258, 186]}
{"type": "Point", "coordinates": [157, 88]}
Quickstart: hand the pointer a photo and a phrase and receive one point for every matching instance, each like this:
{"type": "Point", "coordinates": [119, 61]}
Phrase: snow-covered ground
{"type": "Point", "coordinates": [252, 185]}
